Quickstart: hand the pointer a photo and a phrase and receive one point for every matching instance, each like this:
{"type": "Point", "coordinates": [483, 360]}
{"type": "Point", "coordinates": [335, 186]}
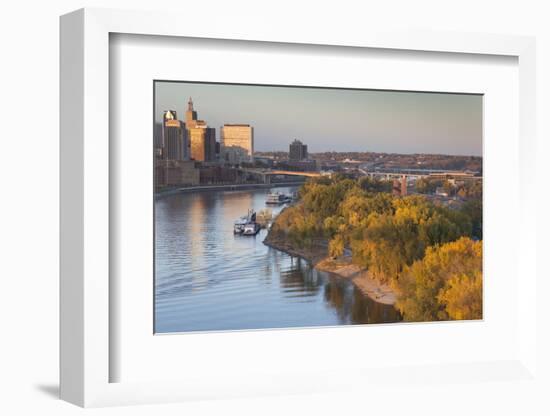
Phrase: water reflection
{"type": "Point", "coordinates": [300, 280]}
{"type": "Point", "coordinates": [355, 308]}
{"type": "Point", "coordinates": [208, 279]}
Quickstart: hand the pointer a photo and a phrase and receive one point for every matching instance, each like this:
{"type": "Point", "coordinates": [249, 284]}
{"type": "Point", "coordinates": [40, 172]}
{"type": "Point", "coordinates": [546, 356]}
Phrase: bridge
{"type": "Point", "coordinates": [294, 173]}
{"type": "Point", "coordinates": [418, 174]}
{"type": "Point", "coordinates": [266, 174]}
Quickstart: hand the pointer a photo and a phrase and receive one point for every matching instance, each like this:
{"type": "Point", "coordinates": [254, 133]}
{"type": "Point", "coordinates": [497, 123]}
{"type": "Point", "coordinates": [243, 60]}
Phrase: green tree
{"type": "Point", "coordinates": [449, 188]}
{"type": "Point", "coordinates": [323, 200]}
{"type": "Point", "coordinates": [427, 186]}
{"type": "Point", "coordinates": [369, 184]}
{"type": "Point", "coordinates": [474, 210]}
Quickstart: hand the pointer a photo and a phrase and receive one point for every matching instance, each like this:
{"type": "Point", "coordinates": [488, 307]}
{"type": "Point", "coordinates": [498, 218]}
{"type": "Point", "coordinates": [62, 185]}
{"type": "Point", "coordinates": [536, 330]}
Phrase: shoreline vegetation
{"type": "Point", "coordinates": [342, 267]}
{"type": "Point", "coordinates": [407, 251]}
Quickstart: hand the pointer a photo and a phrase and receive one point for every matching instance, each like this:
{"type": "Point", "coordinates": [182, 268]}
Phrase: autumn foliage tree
{"type": "Point", "coordinates": [424, 251]}
{"type": "Point", "coordinates": [462, 296]}
{"type": "Point", "coordinates": [444, 284]}
{"type": "Point", "coordinates": [392, 241]}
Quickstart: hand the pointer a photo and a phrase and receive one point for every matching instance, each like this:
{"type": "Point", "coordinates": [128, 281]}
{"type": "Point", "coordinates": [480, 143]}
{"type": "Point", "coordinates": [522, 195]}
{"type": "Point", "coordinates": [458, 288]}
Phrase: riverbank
{"type": "Point", "coordinates": [342, 267]}
{"type": "Point", "coordinates": [226, 187]}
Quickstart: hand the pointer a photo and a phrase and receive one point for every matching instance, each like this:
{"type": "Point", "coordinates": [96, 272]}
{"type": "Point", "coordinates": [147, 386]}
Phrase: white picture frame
{"type": "Point", "coordinates": [85, 341]}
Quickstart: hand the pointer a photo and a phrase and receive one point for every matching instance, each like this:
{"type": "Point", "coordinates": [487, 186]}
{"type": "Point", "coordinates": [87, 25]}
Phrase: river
{"type": "Point", "coordinates": [207, 279]}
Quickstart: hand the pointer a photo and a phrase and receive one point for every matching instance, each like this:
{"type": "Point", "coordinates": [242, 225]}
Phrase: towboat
{"type": "Point", "coordinates": [277, 198]}
{"type": "Point", "coordinates": [238, 227]}
{"type": "Point", "coordinates": [252, 228]}
{"type": "Point", "coordinates": [247, 225]}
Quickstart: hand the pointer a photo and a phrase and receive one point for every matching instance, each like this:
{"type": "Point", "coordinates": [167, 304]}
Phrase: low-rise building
{"type": "Point", "coordinates": [211, 175]}
{"type": "Point", "coordinates": [169, 173]}
{"type": "Point", "coordinates": [306, 165]}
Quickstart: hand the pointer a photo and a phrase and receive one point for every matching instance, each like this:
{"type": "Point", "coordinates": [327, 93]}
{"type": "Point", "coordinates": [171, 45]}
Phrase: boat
{"type": "Point", "coordinates": [252, 228]}
{"type": "Point", "coordinates": [238, 227]}
{"type": "Point", "coordinates": [277, 198]}
{"type": "Point", "coordinates": [247, 225]}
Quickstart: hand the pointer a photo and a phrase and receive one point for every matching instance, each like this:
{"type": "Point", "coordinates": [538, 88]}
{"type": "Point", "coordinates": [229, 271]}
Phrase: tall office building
{"type": "Point", "coordinates": [202, 139]}
{"type": "Point", "coordinates": [210, 147]}
{"type": "Point", "coordinates": [174, 137]}
{"type": "Point", "coordinates": [157, 139]}
{"type": "Point", "coordinates": [237, 143]}
{"type": "Point", "coordinates": [190, 114]}
{"type": "Point", "coordinates": [297, 151]}
{"type": "Point", "coordinates": [203, 143]}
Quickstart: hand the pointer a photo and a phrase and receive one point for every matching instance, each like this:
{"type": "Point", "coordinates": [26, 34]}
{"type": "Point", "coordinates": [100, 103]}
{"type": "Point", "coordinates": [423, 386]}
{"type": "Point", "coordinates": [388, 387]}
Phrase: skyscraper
{"type": "Point", "coordinates": [203, 143]}
{"type": "Point", "coordinates": [190, 114]}
{"type": "Point", "coordinates": [297, 151]}
{"type": "Point", "coordinates": [157, 139]}
{"type": "Point", "coordinates": [237, 143]}
{"type": "Point", "coordinates": [174, 138]}
{"type": "Point", "coordinates": [202, 139]}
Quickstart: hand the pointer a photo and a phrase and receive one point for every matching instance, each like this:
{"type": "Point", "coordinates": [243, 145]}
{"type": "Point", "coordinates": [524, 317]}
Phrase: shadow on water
{"type": "Point", "coordinates": [353, 307]}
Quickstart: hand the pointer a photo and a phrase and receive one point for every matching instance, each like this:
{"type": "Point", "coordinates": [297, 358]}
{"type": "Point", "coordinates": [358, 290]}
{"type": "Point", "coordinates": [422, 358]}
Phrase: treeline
{"type": "Point", "coordinates": [390, 160]}
{"type": "Point", "coordinates": [427, 253]}
{"type": "Point", "coordinates": [471, 189]}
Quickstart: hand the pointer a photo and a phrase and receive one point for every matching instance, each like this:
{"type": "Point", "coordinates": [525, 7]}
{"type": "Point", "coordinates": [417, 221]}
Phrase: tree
{"type": "Point", "coordinates": [369, 184]}
{"type": "Point", "coordinates": [336, 246]}
{"type": "Point", "coordinates": [462, 296]}
{"type": "Point", "coordinates": [444, 284]}
{"type": "Point", "coordinates": [387, 240]}
{"type": "Point", "coordinates": [323, 200]}
{"type": "Point", "coordinates": [474, 210]}
{"type": "Point", "coordinates": [449, 187]}
{"type": "Point", "coordinates": [421, 249]}
{"type": "Point", "coordinates": [427, 186]}
{"type": "Point", "coordinates": [358, 205]}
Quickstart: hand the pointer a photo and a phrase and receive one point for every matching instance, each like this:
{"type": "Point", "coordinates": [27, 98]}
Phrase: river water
{"type": "Point", "coordinates": [207, 279]}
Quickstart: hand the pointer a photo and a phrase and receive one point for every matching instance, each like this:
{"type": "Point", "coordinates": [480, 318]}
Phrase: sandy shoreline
{"type": "Point", "coordinates": [342, 267]}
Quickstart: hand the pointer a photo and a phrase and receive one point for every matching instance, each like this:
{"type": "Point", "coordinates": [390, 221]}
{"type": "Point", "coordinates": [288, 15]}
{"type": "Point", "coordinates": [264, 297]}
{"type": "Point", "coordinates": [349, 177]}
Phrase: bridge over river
{"type": "Point", "coordinates": [265, 175]}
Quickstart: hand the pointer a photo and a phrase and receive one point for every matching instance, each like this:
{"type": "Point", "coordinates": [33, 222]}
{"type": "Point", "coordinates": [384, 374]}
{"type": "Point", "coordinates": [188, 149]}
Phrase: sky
{"type": "Point", "coordinates": [339, 120]}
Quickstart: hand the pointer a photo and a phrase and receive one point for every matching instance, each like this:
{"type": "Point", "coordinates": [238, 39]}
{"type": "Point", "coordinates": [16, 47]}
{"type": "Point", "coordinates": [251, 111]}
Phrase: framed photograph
{"type": "Point", "coordinates": [260, 231]}
{"type": "Point", "coordinates": [235, 209]}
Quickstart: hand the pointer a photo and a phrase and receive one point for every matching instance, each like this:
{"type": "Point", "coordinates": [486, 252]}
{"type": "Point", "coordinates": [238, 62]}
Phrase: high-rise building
{"type": "Point", "coordinates": [211, 143]}
{"type": "Point", "coordinates": [203, 143]}
{"type": "Point", "coordinates": [190, 114]}
{"type": "Point", "coordinates": [157, 139]}
{"type": "Point", "coordinates": [297, 151]}
{"type": "Point", "coordinates": [202, 139]}
{"type": "Point", "coordinates": [237, 143]}
{"type": "Point", "coordinates": [174, 138]}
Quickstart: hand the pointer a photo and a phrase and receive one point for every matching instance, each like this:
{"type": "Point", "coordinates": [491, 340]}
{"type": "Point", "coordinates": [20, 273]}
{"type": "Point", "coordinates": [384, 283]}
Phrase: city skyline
{"type": "Point", "coordinates": [335, 119]}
